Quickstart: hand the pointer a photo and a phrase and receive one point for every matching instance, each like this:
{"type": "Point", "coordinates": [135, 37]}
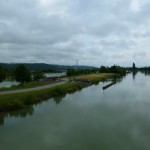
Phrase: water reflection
{"type": "Point", "coordinates": [7, 84]}
{"type": "Point", "coordinates": [58, 99]}
{"type": "Point", "coordinates": [27, 111]}
{"type": "Point", "coordinates": [116, 79]}
{"type": "Point", "coordinates": [55, 74]}
{"type": "Point", "coordinates": [147, 73]}
{"type": "Point", "coordinates": [2, 117]}
{"type": "Point", "coordinates": [112, 81]}
{"type": "Point", "coordinates": [21, 113]}
{"type": "Point", "coordinates": [134, 73]}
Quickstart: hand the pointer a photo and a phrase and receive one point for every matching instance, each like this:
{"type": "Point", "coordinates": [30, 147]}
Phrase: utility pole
{"type": "Point", "coordinates": [77, 64]}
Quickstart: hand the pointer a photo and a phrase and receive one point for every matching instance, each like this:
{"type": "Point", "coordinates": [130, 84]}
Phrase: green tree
{"type": "Point", "coordinates": [38, 75]}
{"type": "Point", "coordinates": [118, 70]}
{"type": "Point", "coordinates": [134, 67]}
{"type": "Point", "coordinates": [22, 74]}
{"type": "Point", "coordinates": [2, 74]}
{"type": "Point", "coordinates": [103, 69]}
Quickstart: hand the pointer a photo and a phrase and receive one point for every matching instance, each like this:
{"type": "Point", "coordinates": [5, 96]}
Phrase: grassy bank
{"type": "Point", "coordinates": [13, 102]}
{"type": "Point", "coordinates": [96, 78]}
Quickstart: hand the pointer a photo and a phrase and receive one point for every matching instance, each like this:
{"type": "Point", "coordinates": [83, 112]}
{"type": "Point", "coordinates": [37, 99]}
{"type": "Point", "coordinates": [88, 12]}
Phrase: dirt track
{"type": "Point", "coordinates": [33, 89]}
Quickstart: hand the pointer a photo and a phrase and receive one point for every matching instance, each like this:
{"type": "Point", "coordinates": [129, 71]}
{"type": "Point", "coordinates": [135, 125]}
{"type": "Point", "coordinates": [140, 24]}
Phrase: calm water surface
{"type": "Point", "coordinates": [92, 119]}
{"type": "Point", "coordinates": [8, 84]}
{"type": "Point", "coordinates": [55, 74]}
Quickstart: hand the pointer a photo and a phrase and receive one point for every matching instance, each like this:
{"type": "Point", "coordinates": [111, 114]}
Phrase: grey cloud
{"type": "Point", "coordinates": [139, 54]}
{"type": "Point", "coordinates": [94, 32]}
{"type": "Point", "coordinates": [111, 28]}
{"type": "Point", "coordinates": [40, 31]}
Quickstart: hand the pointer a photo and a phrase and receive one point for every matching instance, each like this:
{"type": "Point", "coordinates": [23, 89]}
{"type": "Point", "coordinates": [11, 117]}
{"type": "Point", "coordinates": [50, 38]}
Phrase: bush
{"type": "Point", "coordinates": [15, 105]}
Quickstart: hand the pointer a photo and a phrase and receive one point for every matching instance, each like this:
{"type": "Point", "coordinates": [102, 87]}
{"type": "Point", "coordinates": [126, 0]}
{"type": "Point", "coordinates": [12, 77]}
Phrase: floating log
{"type": "Point", "coordinates": [109, 85]}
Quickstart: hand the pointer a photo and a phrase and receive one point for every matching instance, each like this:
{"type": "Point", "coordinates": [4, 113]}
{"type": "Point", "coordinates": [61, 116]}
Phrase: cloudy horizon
{"type": "Point", "coordinates": [63, 31]}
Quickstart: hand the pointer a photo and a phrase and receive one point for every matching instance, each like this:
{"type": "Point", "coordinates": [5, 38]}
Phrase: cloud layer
{"type": "Point", "coordinates": [63, 31]}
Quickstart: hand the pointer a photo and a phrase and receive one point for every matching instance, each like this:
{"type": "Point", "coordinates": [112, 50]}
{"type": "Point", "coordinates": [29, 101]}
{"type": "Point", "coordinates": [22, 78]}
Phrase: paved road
{"type": "Point", "coordinates": [33, 89]}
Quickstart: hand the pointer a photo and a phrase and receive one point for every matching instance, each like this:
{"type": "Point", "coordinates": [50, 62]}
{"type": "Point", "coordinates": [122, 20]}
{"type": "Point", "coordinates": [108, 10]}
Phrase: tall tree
{"type": "Point", "coordinates": [103, 69]}
{"type": "Point", "coordinates": [134, 67]}
{"type": "Point", "coordinates": [38, 75]}
{"type": "Point", "coordinates": [2, 74]}
{"type": "Point", "coordinates": [22, 74]}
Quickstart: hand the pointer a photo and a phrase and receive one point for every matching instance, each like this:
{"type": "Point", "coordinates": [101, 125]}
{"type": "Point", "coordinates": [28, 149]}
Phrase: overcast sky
{"type": "Point", "coordinates": [94, 32]}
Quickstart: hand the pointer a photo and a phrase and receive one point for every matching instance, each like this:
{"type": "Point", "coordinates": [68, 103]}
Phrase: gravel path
{"type": "Point", "coordinates": [33, 89]}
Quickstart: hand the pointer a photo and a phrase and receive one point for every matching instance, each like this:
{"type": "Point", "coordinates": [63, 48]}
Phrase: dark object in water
{"type": "Point", "coordinates": [109, 85]}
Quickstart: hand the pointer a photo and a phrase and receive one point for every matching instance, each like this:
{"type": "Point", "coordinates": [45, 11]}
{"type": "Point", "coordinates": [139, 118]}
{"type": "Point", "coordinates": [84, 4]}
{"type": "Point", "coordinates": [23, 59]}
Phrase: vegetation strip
{"type": "Point", "coordinates": [13, 102]}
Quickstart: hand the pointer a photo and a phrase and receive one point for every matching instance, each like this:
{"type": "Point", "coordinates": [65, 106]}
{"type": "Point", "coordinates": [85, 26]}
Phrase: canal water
{"type": "Point", "coordinates": [55, 74]}
{"type": "Point", "coordinates": [91, 119]}
{"type": "Point", "coordinates": [8, 84]}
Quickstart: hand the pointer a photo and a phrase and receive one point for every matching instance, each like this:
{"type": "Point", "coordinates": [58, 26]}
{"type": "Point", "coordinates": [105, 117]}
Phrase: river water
{"type": "Point", "coordinates": [92, 119]}
{"type": "Point", "coordinates": [8, 84]}
{"type": "Point", "coordinates": [55, 74]}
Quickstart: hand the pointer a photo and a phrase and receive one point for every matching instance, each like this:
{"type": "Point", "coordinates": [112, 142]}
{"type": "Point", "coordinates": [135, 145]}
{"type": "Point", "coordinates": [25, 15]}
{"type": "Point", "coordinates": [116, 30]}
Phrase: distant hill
{"type": "Point", "coordinates": [42, 66]}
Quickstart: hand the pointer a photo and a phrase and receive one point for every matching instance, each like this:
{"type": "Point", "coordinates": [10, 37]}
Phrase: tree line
{"type": "Point", "coordinates": [76, 72]}
{"type": "Point", "coordinates": [113, 69]}
{"type": "Point", "coordinates": [135, 69]}
{"type": "Point", "coordinates": [102, 69]}
{"type": "Point", "coordinates": [21, 74]}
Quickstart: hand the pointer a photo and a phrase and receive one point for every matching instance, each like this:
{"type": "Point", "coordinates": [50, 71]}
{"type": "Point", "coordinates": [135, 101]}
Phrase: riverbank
{"type": "Point", "coordinates": [13, 102]}
{"type": "Point", "coordinates": [96, 78]}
